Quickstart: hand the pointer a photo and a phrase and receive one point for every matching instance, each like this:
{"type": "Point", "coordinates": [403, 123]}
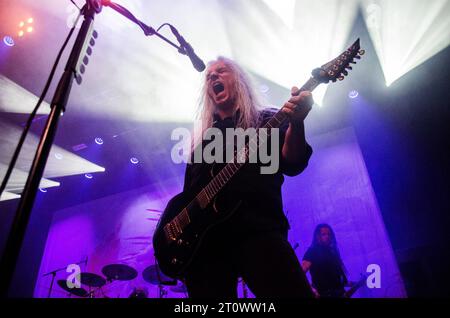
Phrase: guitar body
{"type": "Point", "coordinates": [175, 255]}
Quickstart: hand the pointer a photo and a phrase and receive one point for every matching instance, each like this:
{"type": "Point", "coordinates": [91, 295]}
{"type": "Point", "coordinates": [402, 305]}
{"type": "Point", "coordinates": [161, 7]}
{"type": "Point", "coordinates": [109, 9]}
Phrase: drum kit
{"type": "Point", "coordinates": [154, 276]}
{"type": "Point", "coordinates": [94, 283]}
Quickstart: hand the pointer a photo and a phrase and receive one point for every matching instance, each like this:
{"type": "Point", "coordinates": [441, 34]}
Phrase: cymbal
{"type": "Point", "coordinates": [154, 276]}
{"type": "Point", "coordinates": [182, 289]}
{"type": "Point", "coordinates": [92, 280]}
{"type": "Point", "coordinates": [80, 292]}
{"type": "Point", "coordinates": [119, 272]}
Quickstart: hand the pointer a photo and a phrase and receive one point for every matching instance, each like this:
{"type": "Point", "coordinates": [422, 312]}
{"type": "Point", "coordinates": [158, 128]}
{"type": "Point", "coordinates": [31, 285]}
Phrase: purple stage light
{"type": "Point", "coordinates": [43, 190]}
{"type": "Point", "coordinates": [99, 141]}
{"type": "Point", "coordinates": [264, 88]}
{"type": "Point", "coordinates": [58, 156]}
{"type": "Point", "coordinates": [88, 176]}
{"type": "Point", "coordinates": [8, 40]}
{"type": "Point", "coordinates": [353, 94]}
{"type": "Point", "coordinates": [134, 160]}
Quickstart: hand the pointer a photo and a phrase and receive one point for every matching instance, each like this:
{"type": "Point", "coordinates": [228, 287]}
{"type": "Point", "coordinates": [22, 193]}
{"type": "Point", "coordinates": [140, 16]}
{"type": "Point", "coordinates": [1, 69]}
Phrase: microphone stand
{"type": "Point", "coordinates": [53, 273]}
{"type": "Point", "coordinates": [58, 105]}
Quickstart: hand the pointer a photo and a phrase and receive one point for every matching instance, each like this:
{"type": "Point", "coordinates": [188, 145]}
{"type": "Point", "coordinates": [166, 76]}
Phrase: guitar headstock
{"type": "Point", "coordinates": [337, 69]}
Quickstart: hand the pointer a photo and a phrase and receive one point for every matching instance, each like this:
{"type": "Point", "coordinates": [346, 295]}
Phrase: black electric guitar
{"type": "Point", "coordinates": [354, 288]}
{"type": "Point", "coordinates": [190, 215]}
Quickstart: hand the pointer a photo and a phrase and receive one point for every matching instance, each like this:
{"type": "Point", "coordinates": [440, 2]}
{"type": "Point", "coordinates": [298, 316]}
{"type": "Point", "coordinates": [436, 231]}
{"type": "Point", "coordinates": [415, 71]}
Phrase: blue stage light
{"type": "Point", "coordinates": [353, 94]}
{"type": "Point", "coordinates": [99, 141]}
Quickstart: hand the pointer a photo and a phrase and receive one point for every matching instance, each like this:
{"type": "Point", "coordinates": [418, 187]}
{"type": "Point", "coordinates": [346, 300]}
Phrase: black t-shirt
{"type": "Point", "coordinates": [326, 269]}
{"type": "Point", "coordinates": [262, 207]}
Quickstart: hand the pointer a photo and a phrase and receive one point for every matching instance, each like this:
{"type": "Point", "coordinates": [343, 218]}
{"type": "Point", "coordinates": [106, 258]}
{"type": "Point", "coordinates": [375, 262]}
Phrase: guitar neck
{"type": "Point", "coordinates": [232, 167]}
{"type": "Point", "coordinates": [349, 293]}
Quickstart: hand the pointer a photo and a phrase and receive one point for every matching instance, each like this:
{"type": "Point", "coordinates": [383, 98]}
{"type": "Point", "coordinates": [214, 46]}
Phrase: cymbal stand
{"type": "Point", "coordinates": [244, 288]}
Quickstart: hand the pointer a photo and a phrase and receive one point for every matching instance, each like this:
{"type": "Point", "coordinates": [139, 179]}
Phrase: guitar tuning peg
{"type": "Point", "coordinates": [349, 67]}
{"type": "Point", "coordinates": [333, 80]}
{"type": "Point", "coordinates": [341, 78]}
{"type": "Point", "coordinates": [345, 72]}
{"type": "Point", "coordinates": [362, 52]}
{"type": "Point", "coordinates": [353, 62]}
{"type": "Point", "coordinates": [358, 57]}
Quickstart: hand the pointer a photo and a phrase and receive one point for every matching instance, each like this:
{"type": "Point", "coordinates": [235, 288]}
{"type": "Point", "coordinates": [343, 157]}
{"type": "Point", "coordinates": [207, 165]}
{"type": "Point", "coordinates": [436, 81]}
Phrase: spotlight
{"type": "Point", "coordinates": [88, 176]}
{"type": "Point", "coordinates": [9, 41]}
{"type": "Point", "coordinates": [399, 48]}
{"type": "Point", "coordinates": [99, 141]}
{"type": "Point", "coordinates": [58, 156]}
{"type": "Point", "coordinates": [134, 160]}
{"type": "Point", "coordinates": [25, 27]}
{"type": "Point", "coordinates": [43, 190]}
{"type": "Point", "coordinates": [353, 94]}
{"type": "Point", "coordinates": [264, 89]}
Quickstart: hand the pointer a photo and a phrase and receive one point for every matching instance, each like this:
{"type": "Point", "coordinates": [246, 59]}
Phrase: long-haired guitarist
{"type": "Point", "coordinates": [324, 262]}
{"type": "Point", "coordinates": [252, 244]}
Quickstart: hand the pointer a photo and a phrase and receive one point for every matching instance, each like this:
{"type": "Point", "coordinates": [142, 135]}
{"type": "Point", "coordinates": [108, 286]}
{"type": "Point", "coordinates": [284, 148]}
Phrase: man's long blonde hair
{"type": "Point", "coordinates": [246, 100]}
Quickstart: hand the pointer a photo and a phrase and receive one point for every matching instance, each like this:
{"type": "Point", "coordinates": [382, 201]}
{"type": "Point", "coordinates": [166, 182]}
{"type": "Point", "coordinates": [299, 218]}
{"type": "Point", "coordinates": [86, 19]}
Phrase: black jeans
{"type": "Point", "coordinates": [266, 262]}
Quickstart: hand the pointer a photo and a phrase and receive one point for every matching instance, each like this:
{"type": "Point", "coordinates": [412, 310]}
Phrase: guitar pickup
{"type": "Point", "coordinates": [172, 231]}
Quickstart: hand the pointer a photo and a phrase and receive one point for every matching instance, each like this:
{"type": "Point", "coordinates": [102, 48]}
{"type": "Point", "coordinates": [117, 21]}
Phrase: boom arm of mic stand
{"type": "Point", "coordinates": [148, 30]}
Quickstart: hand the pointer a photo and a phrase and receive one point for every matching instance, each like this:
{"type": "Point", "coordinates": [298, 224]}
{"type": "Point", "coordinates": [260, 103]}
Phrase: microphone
{"type": "Point", "coordinates": [189, 51]}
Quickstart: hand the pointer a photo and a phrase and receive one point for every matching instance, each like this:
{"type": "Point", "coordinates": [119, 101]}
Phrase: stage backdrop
{"type": "Point", "coordinates": [335, 189]}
